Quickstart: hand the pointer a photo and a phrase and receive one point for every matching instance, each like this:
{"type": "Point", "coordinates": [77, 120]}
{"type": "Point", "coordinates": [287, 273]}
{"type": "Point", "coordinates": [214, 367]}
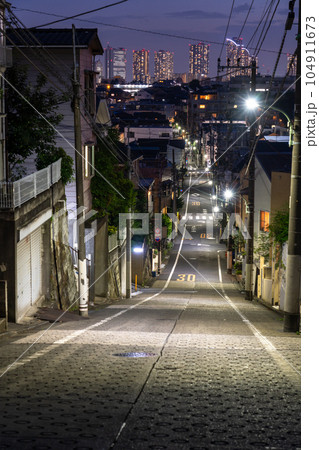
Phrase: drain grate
{"type": "Point", "coordinates": [135, 354]}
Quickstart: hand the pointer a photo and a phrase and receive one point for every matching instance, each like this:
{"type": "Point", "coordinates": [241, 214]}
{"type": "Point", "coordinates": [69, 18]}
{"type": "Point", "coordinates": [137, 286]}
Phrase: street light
{"type": "Point", "coordinates": [251, 104]}
{"type": "Point", "coordinates": [228, 194]}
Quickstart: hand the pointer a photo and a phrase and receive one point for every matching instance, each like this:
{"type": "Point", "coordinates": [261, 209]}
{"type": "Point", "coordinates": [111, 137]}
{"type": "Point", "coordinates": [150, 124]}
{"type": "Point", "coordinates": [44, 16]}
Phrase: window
{"type": "Point", "coordinates": [202, 106]}
{"type": "Point", "coordinates": [131, 134]}
{"type": "Point", "coordinates": [264, 221]}
{"type": "Point", "coordinates": [89, 160]}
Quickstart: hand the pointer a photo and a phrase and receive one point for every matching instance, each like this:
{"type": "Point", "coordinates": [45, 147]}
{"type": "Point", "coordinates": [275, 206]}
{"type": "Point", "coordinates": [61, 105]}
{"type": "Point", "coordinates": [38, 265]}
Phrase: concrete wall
{"type": "Point", "coordinates": [14, 220]}
{"type": "Point", "coordinates": [280, 191]}
{"type": "Point", "coordinates": [100, 260]}
{"type": "Point", "coordinates": [63, 290]}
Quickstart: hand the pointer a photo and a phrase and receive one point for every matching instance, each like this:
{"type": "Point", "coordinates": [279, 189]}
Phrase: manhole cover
{"type": "Point", "coordinates": [135, 354]}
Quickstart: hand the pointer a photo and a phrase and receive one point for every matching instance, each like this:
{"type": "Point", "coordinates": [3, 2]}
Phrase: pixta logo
{"type": "Point", "coordinates": [231, 229]}
{"type": "Point", "coordinates": [144, 228]}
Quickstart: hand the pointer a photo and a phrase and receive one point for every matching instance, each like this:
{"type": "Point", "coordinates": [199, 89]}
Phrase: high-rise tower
{"type": "Point", "coordinates": [115, 62]}
{"type": "Point", "coordinates": [237, 55]}
{"type": "Point", "coordinates": [163, 65]}
{"type": "Point", "coordinates": [199, 60]}
{"type": "Point", "coordinates": [141, 66]}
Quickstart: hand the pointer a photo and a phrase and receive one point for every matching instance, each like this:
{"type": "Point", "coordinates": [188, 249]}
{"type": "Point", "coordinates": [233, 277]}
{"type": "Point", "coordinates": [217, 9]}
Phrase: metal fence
{"type": "Point", "coordinates": [14, 194]}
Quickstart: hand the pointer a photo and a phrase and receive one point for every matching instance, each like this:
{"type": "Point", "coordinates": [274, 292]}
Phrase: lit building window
{"type": "Point", "coordinates": [202, 106]}
{"type": "Point", "coordinates": [264, 221]}
{"type": "Point", "coordinates": [89, 160]}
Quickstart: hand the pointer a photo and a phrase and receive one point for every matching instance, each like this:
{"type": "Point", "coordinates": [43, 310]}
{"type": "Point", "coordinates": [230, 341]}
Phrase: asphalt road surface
{"type": "Point", "coordinates": [187, 364]}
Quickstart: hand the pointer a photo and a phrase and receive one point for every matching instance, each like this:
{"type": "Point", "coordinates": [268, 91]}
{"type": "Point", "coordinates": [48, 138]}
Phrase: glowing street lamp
{"type": "Point", "coordinates": [251, 104]}
{"type": "Point", "coordinates": [228, 194]}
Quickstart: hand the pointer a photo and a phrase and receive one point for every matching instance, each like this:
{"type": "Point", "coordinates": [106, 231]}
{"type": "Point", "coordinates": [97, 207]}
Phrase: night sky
{"type": "Point", "coordinates": [196, 21]}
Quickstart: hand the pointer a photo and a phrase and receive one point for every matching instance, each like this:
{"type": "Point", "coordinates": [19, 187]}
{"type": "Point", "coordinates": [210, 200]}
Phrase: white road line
{"type": "Point", "coordinates": [108, 319]}
{"type": "Point", "coordinates": [262, 339]}
{"type": "Point", "coordinates": [21, 362]}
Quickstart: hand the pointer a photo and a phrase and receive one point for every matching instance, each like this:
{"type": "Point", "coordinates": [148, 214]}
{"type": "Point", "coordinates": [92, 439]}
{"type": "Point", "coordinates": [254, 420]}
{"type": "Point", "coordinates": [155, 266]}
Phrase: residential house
{"type": "Point", "coordinates": [50, 51]}
{"type": "Point", "coordinates": [272, 190]}
{"type": "Point", "coordinates": [35, 259]}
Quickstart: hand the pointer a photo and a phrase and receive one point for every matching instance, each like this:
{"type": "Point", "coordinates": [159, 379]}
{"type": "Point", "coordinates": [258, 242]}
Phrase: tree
{"type": "Point", "coordinates": [278, 231]}
{"type": "Point", "coordinates": [27, 131]}
{"type": "Point", "coordinates": [262, 245]}
{"type": "Point", "coordinates": [279, 227]}
{"type": "Point", "coordinates": [106, 201]}
{"type": "Point", "coordinates": [50, 155]}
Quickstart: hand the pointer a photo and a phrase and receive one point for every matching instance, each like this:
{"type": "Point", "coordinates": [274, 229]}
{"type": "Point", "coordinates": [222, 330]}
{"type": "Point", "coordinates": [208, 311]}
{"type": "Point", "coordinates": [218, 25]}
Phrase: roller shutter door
{"type": "Point", "coordinates": [24, 290]}
{"type": "Point", "coordinates": [36, 264]}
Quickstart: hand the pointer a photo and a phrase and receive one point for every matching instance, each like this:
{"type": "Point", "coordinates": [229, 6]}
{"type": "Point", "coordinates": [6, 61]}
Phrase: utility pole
{"type": "Point", "coordinates": [251, 185]}
{"type": "Point", "coordinates": [251, 196]}
{"type": "Point", "coordinates": [174, 184]}
{"type": "Point", "coordinates": [293, 274]}
{"type": "Point", "coordinates": [158, 210]}
{"type": "Point", "coordinates": [82, 277]}
{"type": "Point", "coordinates": [129, 232]}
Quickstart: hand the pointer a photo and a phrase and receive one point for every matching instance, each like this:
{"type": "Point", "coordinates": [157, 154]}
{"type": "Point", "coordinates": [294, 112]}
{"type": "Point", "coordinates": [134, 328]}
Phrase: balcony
{"type": "Point", "coordinates": [14, 194]}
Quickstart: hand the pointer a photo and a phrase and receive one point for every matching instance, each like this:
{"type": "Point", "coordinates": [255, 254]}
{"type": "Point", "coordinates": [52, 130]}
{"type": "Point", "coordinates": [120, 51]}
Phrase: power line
{"type": "Point", "coordinates": [244, 24]}
{"type": "Point", "coordinates": [92, 124]}
{"type": "Point", "coordinates": [96, 129]}
{"type": "Point", "coordinates": [266, 32]}
{"type": "Point", "coordinates": [260, 22]}
{"type": "Point", "coordinates": [54, 128]}
{"type": "Point", "coordinates": [226, 31]}
{"type": "Point", "coordinates": [33, 43]}
{"type": "Point", "coordinates": [176, 36]}
{"type": "Point", "coordinates": [81, 14]}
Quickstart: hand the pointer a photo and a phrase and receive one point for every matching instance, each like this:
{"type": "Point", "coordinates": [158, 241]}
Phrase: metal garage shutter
{"type": "Point", "coordinates": [36, 264]}
{"type": "Point", "coordinates": [23, 276]}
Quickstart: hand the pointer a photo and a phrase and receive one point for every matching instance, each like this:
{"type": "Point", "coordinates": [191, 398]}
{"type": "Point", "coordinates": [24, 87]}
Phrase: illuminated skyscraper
{"type": "Point", "coordinates": [141, 66]}
{"type": "Point", "coordinates": [163, 65]}
{"type": "Point", "coordinates": [291, 64]}
{"type": "Point", "coordinates": [237, 55]}
{"type": "Point", "coordinates": [199, 60]}
{"type": "Point", "coordinates": [115, 62]}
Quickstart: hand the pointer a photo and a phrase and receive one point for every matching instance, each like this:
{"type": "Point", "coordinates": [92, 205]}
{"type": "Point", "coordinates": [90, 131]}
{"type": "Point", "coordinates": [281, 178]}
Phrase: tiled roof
{"type": "Point", "coordinates": [55, 38]}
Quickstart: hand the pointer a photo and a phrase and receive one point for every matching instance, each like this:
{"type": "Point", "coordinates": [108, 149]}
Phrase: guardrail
{"type": "Point", "coordinates": [14, 194]}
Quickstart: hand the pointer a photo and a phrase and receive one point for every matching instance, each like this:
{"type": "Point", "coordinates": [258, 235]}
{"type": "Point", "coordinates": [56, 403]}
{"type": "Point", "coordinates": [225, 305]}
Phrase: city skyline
{"type": "Point", "coordinates": [134, 24]}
